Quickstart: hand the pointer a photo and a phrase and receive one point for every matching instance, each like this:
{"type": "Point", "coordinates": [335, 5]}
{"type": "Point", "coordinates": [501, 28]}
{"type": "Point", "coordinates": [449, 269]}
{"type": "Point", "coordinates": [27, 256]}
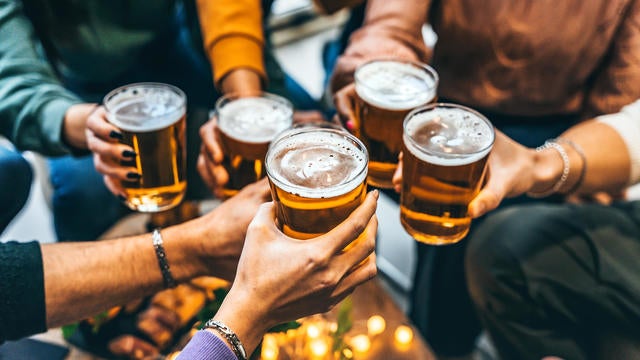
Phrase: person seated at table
{"type": "Point", "coordinates": [531, 69]}
{"type": "Point", "coordinates": [50, 285]}
{"type": "Point", "coordinates": [60, 59]}
{"type": "Point", "coordinates": [560, 279]}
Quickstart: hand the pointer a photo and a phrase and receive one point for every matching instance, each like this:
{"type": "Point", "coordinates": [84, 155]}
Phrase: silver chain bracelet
{"type": "Point", "coordinates": [230, 336]}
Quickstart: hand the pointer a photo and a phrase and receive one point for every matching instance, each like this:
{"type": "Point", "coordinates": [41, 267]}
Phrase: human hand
{"type": "Point", "coordinates": [281, 279]}
{"type": "Point", "coordinates": [75, 124]}
{"type": "Point", "coordinates": [221, 233]}
{"type": "Point", "coordinates": [115, 161]}
{"type": "Point", "coordinates": [511, 172]}
{"type": "Point", "coordinates": [209, 164]}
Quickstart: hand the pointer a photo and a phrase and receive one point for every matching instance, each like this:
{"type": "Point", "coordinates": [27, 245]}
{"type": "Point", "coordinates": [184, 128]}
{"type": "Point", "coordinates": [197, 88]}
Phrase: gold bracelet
{"type": "Point", "coordinates": [551, 144]}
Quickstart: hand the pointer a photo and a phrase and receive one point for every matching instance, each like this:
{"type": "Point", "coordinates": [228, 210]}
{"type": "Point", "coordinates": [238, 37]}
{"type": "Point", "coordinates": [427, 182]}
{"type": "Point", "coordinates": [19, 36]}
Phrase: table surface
{"type": "Point", "coordinates": [368, 299]}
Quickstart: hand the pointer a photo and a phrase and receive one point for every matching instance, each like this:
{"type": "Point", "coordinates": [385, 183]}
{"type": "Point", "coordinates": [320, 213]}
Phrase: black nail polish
{"type": "Point", "coordinates": [134, 176]}
{"type": "Point", "coordinates": [131, 163]}
{"type": "Point", "coordinates": [115, 135]}
{"type": "Point", "coordinates": [122, 198]}
{"type": "Point", "coordinates": [129, 154]}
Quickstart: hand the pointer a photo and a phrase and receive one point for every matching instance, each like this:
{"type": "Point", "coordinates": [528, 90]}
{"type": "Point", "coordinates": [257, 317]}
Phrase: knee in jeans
{"type": "Point", "coordinates": [495, 252]}
{"type": "Point", "coordinates": [16, 175]}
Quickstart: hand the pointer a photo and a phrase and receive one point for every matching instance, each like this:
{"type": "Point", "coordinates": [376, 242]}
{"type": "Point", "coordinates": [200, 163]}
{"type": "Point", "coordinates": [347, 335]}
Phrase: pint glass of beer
{"type": "Point", "coordinates": [445, 154]}
{"type": "Point", "coordinates": [317, 178]}
{"type": "Point", "coordinates": [152, 117]}
{"type": "Point", "coordinates": [386, 91]}
{"type": "Point", "coordinates": [247, 126]}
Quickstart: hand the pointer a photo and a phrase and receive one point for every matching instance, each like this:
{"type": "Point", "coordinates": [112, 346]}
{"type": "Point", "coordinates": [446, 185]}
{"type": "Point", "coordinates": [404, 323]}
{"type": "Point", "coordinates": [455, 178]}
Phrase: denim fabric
{"type": "Point", "coordinates": [15, 183]}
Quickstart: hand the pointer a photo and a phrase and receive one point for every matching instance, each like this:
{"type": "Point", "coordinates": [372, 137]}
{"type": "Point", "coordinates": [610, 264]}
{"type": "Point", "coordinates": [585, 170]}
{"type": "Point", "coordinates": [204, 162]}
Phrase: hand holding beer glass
{"type": "Point", "coordinates": [150, 120]}
{"type": "Point", "coordinates": [246, 126]}
{"type": "Point", "coordinates": [317, 177]}
{"type": "Point", "coordinates": [445, 151]}
{"type": "Point", "coordinates": [386, 90]}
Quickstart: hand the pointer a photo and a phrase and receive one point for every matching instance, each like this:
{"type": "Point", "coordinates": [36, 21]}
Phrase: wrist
{"type": "Point", "coordinates": [547, 169]}
{"type": "Point", "coordinates": [75, 124]}
{"type": "Point", "coordinates": [241, 81]}
{"type": "Point", "coordinates": [244, 315]}
{"type": "Point", "coordinates": [182, 247]}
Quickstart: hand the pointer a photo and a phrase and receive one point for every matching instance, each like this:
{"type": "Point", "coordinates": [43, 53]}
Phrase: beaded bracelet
{"type": "Point", "coordinates": [230, 336]}
{"type": "Point", "coordinates": [163, 263]}
{"type": "Point", "coordinates": [565, 169]}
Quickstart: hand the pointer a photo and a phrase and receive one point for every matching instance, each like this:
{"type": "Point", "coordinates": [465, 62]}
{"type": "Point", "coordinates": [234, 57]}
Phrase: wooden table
{"type": "Point", "coordinates": [368, 299]}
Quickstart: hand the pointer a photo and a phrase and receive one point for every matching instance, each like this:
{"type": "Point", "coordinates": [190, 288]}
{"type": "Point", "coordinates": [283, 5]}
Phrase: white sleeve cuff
{"type": "Point", "coordinates": [627, 124]}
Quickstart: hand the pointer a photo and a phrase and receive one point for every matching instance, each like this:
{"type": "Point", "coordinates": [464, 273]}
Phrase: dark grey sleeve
{"type": "Point", "coordinates": [22, 306]}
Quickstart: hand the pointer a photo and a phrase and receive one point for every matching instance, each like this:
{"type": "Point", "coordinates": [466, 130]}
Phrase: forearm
{"type": "Point", "coordinates": [233, 36]}
{"type": "Point", "coordinates": [32, 101]}
{"type": "Point", "coordinates": [94, 276]}
{"type": "Point", "coordinates": [242, 82]}
{"type": "Point", "coordinates": [604, 164]}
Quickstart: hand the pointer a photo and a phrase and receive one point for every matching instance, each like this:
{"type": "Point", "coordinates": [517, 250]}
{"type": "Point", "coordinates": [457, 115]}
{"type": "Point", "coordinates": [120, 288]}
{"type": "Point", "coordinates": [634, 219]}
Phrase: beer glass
{"type": "Point", "coordinates": [445, 154]}
{"type": "Point", "coordinates": [247, 126]}
{"type": "Point", "coordinates": [317, 177]}
{"type": "Point", "coordinates": [386, 91]}
{"type": "Point", "coordinates": [152, 119]}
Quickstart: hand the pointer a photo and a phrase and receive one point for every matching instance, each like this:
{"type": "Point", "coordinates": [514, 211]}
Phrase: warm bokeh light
{"type": "Point", "coordinates": [269, 353]}
{"type": "Point", "coordinates": [403, 335]}
{"type": "Point", "coordinates": [347, 353]}
{"type": "Point", "coordinates": [376, 325]}
{"type": "Point", "coordinates": [319, 347]}
{"type": "Point", "coordinates": [313, 331]}
{"type": "Point", "coordinates": [360, 343]}
{"type": "Point", "coordinates": [270, 348]}
{"type": "Point", "coordinates": [173, 355]}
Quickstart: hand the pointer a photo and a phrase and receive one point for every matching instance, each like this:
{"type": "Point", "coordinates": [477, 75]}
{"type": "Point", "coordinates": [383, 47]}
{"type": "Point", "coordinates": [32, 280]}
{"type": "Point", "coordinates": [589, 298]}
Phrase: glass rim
{"type": "Point", "coordinates": [432, 106]}
{"type": "Point", "coordinates": [181, 108]}
{"type": "Point", "coordinates": [292, 132]}
{"type": "Point", "coordinates": [226, 98]}
{"type": "Point", "coordinates": [416, 64]}
{"type": "Point", "coordinates": [229, 98]}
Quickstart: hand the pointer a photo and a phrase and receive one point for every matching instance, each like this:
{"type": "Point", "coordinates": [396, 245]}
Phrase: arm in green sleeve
{"type": "Point", "coordinates": [32, 100]}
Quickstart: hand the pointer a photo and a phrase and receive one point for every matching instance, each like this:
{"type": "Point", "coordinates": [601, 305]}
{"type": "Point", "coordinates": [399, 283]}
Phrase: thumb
{"type": "Point", "coordinates": [488, 199]}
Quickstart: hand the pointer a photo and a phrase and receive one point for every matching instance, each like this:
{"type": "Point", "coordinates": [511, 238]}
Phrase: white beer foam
{"type": "Point", "coordinates": [145, 110]}
{"type": "Point", "coordinates": [317, 165]}
{"type": "Point", "coordinates": [394, 85]}
{"type": "Point", "coordinates": [448, 136]}
{"type": "Point", "coordinates": [254, 119]}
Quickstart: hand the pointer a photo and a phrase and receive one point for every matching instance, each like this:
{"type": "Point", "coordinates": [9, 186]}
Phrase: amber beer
{"type": "Point", "coordinates": [151, 117]}
{"type": "Point", "coordinates": [445, 153]}
{"type": "Point", "coordinates": [387, 90]}
{"type": "Point", "coordinates": [247, 125]}
{"type": "Point", "coordinates": [317, 178]}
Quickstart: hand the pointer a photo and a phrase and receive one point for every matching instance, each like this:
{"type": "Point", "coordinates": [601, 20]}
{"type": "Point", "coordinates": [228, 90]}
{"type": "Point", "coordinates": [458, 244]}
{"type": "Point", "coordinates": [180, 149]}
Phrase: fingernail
{"type": "Point", "coordinates": [350, 125]}
{"type": "Point", "coordinates": [115, 135]}
{"type": "Point", "coordinates": [131, 163]}
{"type": "Point", "coordinates": [376, 194]}
{"type": "Point", "coordinates": [122, 198]}
{"type": "Point", "coordinates": [134, 176]}
{"type": "Point", "coordinates": [129, 154]}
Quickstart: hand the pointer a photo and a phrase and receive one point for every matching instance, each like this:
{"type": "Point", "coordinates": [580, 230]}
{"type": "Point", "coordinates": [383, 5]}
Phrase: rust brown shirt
{"type": "Point", "coordinates": [527, 57]}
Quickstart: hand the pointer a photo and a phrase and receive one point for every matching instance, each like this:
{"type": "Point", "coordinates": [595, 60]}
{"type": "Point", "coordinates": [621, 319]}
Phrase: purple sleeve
{"type": "Point", "coordinates": [206, 346]}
